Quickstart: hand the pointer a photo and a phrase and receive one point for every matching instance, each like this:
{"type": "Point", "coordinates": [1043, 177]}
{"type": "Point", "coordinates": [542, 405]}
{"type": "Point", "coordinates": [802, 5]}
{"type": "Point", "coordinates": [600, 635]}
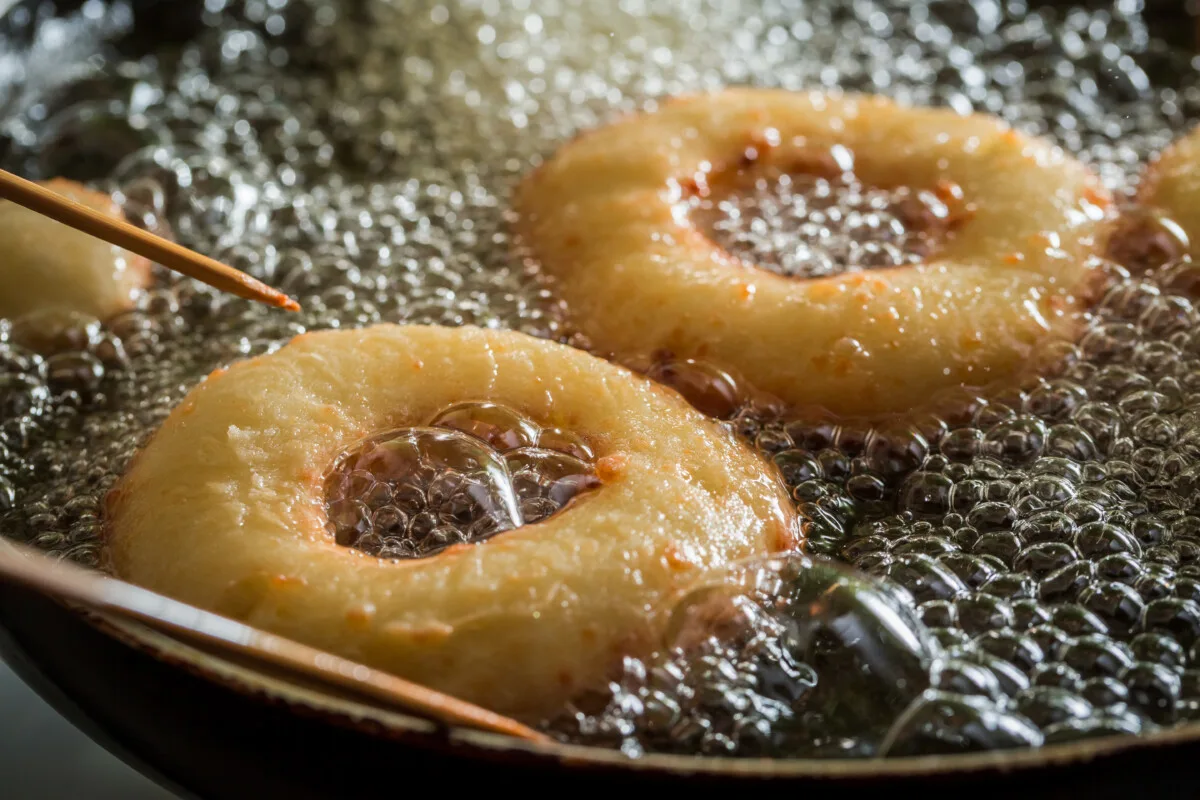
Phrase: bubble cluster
{"type": "Point", "coordinates": [480, 469]}
{"type": "Point", "coordinates": [361, 157]}
{"type": "Point", "coordinates": [810, 226]}
{"type": "Point", "coordinates": [779, 655]}
{"type": "Point", "coordinates": [1046, 535]}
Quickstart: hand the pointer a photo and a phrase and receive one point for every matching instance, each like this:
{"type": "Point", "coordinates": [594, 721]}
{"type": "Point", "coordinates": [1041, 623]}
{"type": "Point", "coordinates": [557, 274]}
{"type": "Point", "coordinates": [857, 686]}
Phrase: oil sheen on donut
{"type": "Point", "coordinates": [226, 509]}
{"type": "Point", "coordinates": [1007, 225]}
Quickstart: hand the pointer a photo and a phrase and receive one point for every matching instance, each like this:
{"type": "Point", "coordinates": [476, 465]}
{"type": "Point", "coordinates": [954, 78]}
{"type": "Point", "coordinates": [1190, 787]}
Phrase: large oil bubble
{"type": "Point", "coordinates": [941, 722]}
{"type": "Point", "coordinates": [789, 652]}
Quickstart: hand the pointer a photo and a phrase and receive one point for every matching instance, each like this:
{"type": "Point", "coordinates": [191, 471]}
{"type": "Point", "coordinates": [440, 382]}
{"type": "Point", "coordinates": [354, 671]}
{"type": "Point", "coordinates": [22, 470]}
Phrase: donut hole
{"type": "Point", "coordinates": [477, 470]}
{"type": "Point", "coordinates": [819, 217]}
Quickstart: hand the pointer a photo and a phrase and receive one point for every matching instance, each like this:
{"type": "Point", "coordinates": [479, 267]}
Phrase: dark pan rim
{"type": "Point", "coordinates": [376, 721]}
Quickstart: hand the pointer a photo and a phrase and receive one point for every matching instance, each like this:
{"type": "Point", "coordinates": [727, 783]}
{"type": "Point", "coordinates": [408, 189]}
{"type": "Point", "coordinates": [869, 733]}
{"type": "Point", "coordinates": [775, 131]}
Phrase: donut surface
{"type": "Point", "coordinates": [1172, 185]}
{"type": "Point", "coordinates": [50, 267]}
{"type": "Point", "coordinates": [606, 220]}
{"type": "Point", "coordinates": [224, 509]}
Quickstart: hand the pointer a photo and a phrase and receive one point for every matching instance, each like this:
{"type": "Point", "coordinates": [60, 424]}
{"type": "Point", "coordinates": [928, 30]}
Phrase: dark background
{"type": "Point", "coordinates": [43, 757]}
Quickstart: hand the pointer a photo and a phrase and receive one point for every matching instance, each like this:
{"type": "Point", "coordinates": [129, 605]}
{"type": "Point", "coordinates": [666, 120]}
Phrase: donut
{"type": "Point", "coordinates": [49, 267]}
{"type": "Point", "coordinates": [224, 509]}
{"type": "Point", "coordinates": [605, 220]}
{"type": "Point", "coordinates": [1166, 223]}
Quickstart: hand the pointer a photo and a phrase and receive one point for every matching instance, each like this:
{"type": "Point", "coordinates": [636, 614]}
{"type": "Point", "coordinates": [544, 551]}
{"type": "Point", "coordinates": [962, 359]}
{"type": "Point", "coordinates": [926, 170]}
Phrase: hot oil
{"type": "Point", "coordinates": [1037, 551]}
{"type": "Point", "coordinates": [813, 226]}
{"type": "Point", "coordinates": [477, 470]}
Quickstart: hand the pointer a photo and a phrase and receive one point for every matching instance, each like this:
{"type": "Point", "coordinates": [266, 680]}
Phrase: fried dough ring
{"type": "Point", "coordinates": [48, 267]}
{"type": "Point", "coordinates": [1171, 184]}
{"type": "Point", "coordinates": [603, 218]}
{"type": "Point", "coordinates": [224, 509]}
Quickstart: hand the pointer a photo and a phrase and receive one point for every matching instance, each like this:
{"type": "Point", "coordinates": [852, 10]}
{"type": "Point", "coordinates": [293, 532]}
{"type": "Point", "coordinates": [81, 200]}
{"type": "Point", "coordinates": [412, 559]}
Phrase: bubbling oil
{"type": "Point", "coordinates": [811, 658]}
{"type": "Point", "coordinates": [478, 470]}
{"type": "Point", "coordinates": [813, 226]}
{"type": "Point", "coordinates": [1041, 543]}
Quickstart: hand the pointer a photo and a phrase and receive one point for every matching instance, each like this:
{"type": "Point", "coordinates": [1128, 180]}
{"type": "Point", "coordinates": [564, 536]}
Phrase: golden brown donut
{"type": "Point", "coordinates": [48, 267]}
{"type": "Point", "coordinates": [1171, 187]}
{"type": "Point", "coordinates": [606, 219]}
{"type": "Point", "coordinates": [224, 509]}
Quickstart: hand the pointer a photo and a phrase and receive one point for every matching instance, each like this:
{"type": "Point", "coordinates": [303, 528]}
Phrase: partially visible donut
{"type": "Point", "coordinates": [606, 218]}
{"type": "Point", "coordinates": [224, 509]}
{"type": "Point", "coordinates": [1168, 224]}
{"type": "Point", "coordinates": [48, 267]}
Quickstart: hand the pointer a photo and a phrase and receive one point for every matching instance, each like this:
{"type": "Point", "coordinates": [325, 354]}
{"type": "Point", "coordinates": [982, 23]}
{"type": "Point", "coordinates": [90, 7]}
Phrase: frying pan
{"type": "Point", "coordinates": [205, 727]}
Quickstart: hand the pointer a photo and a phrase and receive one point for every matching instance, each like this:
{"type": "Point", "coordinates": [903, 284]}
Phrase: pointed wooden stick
{"type": "Point", "coordinates": [121, 233]}
{"type": "Point", "coordinates": [30, 568]}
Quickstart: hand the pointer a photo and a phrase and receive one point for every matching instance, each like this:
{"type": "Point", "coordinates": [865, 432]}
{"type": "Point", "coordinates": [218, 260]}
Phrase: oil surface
{"type": "Point", "coordinates": [809, 226]}
{"type": "Point", "coordinates": [478, 470]}
{"type": "Point", "coordinates": [1035, 552]}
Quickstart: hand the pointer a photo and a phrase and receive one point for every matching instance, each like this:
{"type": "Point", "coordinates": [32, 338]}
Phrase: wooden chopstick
{"type": "Point", "coordinates": [32, 569]}
{"type": "Point", "coordinates": [121, 233]}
